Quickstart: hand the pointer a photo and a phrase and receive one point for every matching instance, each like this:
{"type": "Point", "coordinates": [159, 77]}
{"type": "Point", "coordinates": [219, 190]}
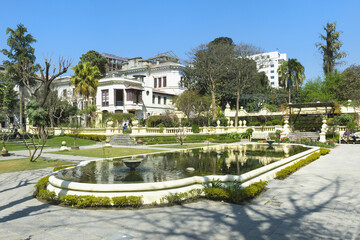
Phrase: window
{"type": "Point", "coordinates": [164, 100]}
{"type": "Point", "coordinates": [159, 99]}
{"type": "Point", "coordinates": [105, 98]}
{"type": "Point", "coordinates": [164, 81]}
{"type": "Point", "coordinates": [272, 71]}
{"type": "Point", "coordinates": [272, 83]}
{"type": "Point", "coordinates": [153, 99]}
{"type": "Point", "coordinates": [64, 93]}
{"type": "Point", "coordinates": [147, 93]}
{"type": "Point", "coordinates": [272, 65]}
{"type": "Point", "coordinates": [272, 77]}
{"type": "Point", "coordinates": [155, 82]}
{"type": "Point", "coordinates": [159, 82]}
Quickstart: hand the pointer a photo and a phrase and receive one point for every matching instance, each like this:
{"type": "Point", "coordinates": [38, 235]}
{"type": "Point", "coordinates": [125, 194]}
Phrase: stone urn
{"type": "Point", "coordinates": [135, 123]}
{"type": "Point", "coordinates": [132, 163]}
{"type": "Point", "coordinates": [5, 152]}
{"type": "Point", "coordinates": [63, 146]}
{"type": "Point", "coordinates": [218, 123]}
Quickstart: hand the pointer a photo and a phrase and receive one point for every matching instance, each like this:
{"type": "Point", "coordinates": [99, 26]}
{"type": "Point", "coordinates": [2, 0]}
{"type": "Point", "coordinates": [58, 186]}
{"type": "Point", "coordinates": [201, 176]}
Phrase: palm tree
{"type": "Point", "coordinates": [85, 80]}
{"type": "Point", "coordinates": [291, 74]}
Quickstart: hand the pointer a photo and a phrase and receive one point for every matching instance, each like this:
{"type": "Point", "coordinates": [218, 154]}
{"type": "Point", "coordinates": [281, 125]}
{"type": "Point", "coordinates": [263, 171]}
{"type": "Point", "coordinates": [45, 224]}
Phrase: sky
{"type": "Point", "coordinates": [144, 28]}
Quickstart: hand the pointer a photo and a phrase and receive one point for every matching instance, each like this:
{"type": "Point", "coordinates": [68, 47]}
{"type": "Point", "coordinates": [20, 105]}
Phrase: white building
{"type": "Point", "coordinates": [140, 86]}
{"type": "Point", "coordinates": [269, 64]}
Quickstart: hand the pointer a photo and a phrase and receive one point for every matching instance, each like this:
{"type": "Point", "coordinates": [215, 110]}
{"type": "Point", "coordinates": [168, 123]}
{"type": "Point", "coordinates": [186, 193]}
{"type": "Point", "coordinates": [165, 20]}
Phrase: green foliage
{"type": "Point", "coordinates": [179, 198]}
{"type": "Point", "coordinates": [234, 193]}
{"type": "Point", "coordinates": [127, 201]}
{"type": "Point", "coordinates": [291, 74]}
{"type": "Point", "coordinates": [8, 97]}
{"type": "Point", "coordinates": [214, 183]}
{"type": "Point", "coordinates": [93, 137]}
{"type": "Point", "coordinates": [161, 126]}
{"type": "Point", "coordinates": [37, 115]}
{"type": "Point", "coordinates": [233, 135]}
{"type": "Point", "coordinates": [284, 173]}
{"type": "Point", "coordinates": [324, 151]}
{"type": "Point", "coordinates": [127, 131]}
{"type": "Point", "coordinates": [95, 59]}
{"type": "Point", "coordinates": [223, 138]}
{"type": "Point", "coordinates": [41, 185]}
{"type": "Point", "coordinates": [195, 128]}
{"type": "Point", "coordinates": [216, 193]}
{"type": "Point", "coordinates": [331, 48]}
{"type": "Point", "coordinates": [61, 167]}
{"type": "Point", "coordinates": [90, 201]}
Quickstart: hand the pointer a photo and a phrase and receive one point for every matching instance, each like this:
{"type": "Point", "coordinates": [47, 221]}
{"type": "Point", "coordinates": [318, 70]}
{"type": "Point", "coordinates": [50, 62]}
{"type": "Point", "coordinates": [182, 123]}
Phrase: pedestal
{"type": "Point", "coordinates": [322, 137]}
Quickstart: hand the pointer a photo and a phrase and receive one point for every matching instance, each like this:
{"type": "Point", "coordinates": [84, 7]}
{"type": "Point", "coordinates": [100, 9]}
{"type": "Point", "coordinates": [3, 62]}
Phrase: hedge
{"type": "Point", "coordinates": [284, 173]}
{"type": "Point", "coordinates": [93, 137]}
{"type": "Point", "coordinates": [223, 138]}
{"type": "Point", "coordinates": [235, 195]}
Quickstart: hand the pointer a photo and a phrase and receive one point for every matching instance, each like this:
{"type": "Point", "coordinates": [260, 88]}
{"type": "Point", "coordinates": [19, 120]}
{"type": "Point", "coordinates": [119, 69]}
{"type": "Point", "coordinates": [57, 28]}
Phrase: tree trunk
{"type": "Point", "coordinates": [237, 105]}
{"type": "Point", "coordinates": [213, 105]}
{"type": "Point", "coordinates": [21, 107]}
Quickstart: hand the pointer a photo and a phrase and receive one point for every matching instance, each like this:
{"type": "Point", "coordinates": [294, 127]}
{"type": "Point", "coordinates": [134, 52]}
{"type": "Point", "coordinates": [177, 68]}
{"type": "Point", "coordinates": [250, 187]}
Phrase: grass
{"type": "Point", "coordinates": [17, 165]}
{"type": "Point", "coordinates": [107, 152]}
{"type": "Point", "coordinates": [53, 141]}
{"type": "Point", "coordinates": [185, 146]}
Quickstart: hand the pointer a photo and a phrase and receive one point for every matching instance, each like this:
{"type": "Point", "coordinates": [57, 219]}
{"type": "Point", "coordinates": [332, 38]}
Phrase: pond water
{"type": "Point", "coordinates": [212, 160]}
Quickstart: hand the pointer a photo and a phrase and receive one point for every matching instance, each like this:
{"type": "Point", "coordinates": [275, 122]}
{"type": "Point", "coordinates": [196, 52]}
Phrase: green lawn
{"type": "Point", "coordinates": [108, 152]}
{"type": "Point", "coordinates": [185, 146]}
{"type": "Point", "coordinates": [17, 165]}
{"type": "Point", "coordinates": [53, 141]}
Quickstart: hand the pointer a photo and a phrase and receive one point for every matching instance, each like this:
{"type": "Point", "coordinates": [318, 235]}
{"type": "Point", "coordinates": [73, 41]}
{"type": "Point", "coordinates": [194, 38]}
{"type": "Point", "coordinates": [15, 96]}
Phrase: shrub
{"type": "Point", "coordinates": [233, 135]}
{"type": "Point", "coordinates": [195, 128]}
{"type": "Point", "coordinates": [216, 193]}
{"type": "Point", "coordinates": [69, 200]}
{"type": "Point", "coordinates": [127, 201]}
{"type": "Point", "coordinates": [324, 151]}
{"type": "Point", "coordinates": [61, 167]}
{"type": "Point", "coordinates": [284, 173]}
{"type": "Point", "coordinates": [161, 126]}
{"type": "Point", "coordinates": [127, 131]}
{"type": "Point", "coordinates": [93, 137]}
{"type": "Point", "coordinates": [172, 199]}
{"type": "Point", "coordinates": [41, 185]}
{"type": "Point", "coordinates": [276, 122]}
{"type": "Point", "coordinates": [268, 123]}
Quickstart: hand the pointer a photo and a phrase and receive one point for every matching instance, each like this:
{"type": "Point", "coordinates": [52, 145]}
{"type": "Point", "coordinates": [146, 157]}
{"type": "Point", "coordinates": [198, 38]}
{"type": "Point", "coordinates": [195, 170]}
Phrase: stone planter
{"type": "Point", "coordinates": [5, 153]}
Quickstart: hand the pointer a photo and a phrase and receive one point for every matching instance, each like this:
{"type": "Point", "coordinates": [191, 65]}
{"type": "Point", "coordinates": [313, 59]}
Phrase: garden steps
{"type": "Point", "coordinates": [122, 139]}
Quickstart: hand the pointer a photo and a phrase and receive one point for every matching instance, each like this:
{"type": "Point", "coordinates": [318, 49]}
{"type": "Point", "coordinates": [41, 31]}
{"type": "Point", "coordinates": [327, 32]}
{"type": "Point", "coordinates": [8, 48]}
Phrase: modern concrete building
{"type": "Point", "coordinates": [269, 63]}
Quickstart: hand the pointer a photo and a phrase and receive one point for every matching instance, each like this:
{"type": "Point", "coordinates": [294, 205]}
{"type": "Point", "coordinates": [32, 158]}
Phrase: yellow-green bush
{"type": "Point", "coordinates": [127, 201]}
{"type": "Point", "coordinates": [216, 193]}
{"type": "Point", "coordinates": [324, 151]}
{"type": "Point", "coordinates": [93, 137]}
{"type": "Point", "coordinates": [61, 167]}
{"type": "Point", "coordinates": [282, 174]}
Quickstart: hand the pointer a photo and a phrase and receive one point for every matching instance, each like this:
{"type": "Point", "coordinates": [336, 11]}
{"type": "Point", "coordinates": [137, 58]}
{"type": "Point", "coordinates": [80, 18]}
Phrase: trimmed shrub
{"type": "Point", "coordinates": [61, 167]}
{"type": "Point", "coordinates": [93, 137]}
{"type": "Point", "coordinates": [324, 151]}
{"type": "Point", "coordinates": [216, 193]}
{"type": "Point", "coordinates": [127, 201]}
{"type": "Point", "coordinates": [284, 173]}
{"type": "Point", "coordinates": [195, 128]}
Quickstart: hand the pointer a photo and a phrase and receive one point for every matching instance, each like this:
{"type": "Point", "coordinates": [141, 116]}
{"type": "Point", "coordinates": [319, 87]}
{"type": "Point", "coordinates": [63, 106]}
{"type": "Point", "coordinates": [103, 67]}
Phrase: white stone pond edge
{"type": "Point", "coordinates": [155, 191]}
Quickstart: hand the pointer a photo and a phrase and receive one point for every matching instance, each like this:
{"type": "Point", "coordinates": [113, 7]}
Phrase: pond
{"type": "Point", "coordinates": [212, 160]}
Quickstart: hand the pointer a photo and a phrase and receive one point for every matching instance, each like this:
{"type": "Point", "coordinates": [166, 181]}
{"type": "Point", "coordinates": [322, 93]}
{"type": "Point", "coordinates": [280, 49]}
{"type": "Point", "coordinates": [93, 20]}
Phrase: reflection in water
{"type": "Point", "coordinates": [217, 160]}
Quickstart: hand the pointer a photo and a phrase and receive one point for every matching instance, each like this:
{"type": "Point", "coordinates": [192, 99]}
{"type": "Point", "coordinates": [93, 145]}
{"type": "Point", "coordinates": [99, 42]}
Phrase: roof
{"type": "Point", "coordinates": [114, 56]}
{"type": "Point", "coordinates": [164, 93]}
{"type": "Point", "coordinates": [135, 88]}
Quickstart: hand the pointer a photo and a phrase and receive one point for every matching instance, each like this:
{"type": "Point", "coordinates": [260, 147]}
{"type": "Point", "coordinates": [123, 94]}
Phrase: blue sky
{"type": "Point", "coordinates": [146, 28]}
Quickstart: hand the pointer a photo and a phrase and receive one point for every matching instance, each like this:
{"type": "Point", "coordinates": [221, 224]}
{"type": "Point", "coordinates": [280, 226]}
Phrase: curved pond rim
{"type": "Point", "coordinates": [153, 186]}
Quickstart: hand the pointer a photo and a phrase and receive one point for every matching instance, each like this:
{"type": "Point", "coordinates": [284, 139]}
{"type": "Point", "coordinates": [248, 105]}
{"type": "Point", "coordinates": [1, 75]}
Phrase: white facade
{"type": "Point", "coordinates": [142, 86]}
{"type": "Point", "coordinates": [269, 64]}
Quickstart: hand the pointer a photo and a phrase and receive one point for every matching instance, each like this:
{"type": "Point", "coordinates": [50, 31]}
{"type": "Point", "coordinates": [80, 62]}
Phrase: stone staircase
{"type": "Point", "coordinates": [122, 139]}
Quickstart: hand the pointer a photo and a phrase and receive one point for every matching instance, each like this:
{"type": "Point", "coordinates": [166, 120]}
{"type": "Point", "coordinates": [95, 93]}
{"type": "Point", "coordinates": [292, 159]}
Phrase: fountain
{"type": "Point", "coordinates": [132, 162]}
{"type": "Point", "coordinates": [154, 176]}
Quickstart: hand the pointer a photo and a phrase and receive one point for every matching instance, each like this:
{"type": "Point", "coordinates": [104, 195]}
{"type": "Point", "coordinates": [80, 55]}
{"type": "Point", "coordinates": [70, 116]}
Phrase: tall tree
{"type": "Point", "coordinates": [291, 74]}
{"type": "Point", "coordinates": [85, 80]}
{"type": "Point", "coordinates": [8, 97]}
{"type": "Point", "coordinates": [331, 48]}
{"type": "Point", "coordinates": [350, 84]}
{"type": "Point", "coordinates": [95, 59]}
{"type": "Point", "coordinates": [21, 59]}
{"type": "Point", "coordinates": [244, 71]}
{"type": "Point", "coordinates": [207, 68]}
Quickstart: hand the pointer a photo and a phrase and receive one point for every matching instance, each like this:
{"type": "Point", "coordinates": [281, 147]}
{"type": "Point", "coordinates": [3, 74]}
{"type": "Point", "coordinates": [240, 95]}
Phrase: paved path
{"type": "Point", "coordinates": [320, 201]}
